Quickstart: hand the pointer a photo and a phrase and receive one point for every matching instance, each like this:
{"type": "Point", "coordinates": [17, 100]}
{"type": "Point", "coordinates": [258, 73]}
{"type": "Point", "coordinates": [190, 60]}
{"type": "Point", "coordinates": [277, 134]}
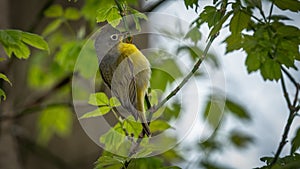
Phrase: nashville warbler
{"type": "Point", "coordinates": [125, 70]}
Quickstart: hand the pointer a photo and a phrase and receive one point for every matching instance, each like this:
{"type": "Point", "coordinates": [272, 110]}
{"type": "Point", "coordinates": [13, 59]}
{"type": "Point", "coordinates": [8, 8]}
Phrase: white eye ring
{"type": "Point", "coordinates": [114, 37]}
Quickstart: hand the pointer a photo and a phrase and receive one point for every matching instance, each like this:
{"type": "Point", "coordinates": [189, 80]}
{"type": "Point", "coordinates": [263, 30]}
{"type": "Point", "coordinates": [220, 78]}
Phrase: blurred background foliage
{"type": "Point", "coordinates": [38, 123]}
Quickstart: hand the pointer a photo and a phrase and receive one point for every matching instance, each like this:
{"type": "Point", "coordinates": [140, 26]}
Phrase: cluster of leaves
{"type": "Point", "coordinates": [15, 43]}
{"type": "Point", "coordinates": [268, 41]}
{"type": "Point", "coordinates": [108, 160]}
{"type": "Point", "coordinates": [270, 45]}
{"type": "Point", "coordinates": [113, 11]}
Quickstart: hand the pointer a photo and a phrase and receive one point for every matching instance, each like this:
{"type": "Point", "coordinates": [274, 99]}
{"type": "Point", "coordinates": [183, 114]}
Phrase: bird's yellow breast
{"type": "Point", "coordinates": [141, 64]}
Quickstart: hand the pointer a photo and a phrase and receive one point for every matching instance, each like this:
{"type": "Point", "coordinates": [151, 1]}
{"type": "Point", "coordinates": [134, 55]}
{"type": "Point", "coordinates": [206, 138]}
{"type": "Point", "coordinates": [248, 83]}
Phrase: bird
{"type": "Point", "coordinates": [125, 70]}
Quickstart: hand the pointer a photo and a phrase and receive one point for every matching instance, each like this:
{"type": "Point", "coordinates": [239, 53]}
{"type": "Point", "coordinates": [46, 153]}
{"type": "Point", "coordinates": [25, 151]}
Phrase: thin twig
{"type": "Point", "coordinates": [154, 6]}
{"type": "Point", "coordinates": [188, 76]}
{"type": "Point", "coordinates": [290, 76]}
{"type": "Point", "coordinates": [270, 13]}
{"type": "Point", "coordinates": [292, 114]}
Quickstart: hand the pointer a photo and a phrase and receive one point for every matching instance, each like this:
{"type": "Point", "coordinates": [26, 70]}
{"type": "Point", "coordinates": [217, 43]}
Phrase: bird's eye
{"type": "Point", "coordinates": [114, 37]}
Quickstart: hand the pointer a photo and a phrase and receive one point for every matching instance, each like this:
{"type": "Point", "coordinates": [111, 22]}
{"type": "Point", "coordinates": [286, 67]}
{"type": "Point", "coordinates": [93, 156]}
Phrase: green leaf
{"type": "Point", "coordinates": [87, 61]}
{"type": "Point", "coordinates": [239, 139]}
{"type": "Point", "coordinates": [254, 3]}
{"type": "Point", "coordinates": [292, 5]}
{"type": "Point", "coordinates": [95, 113]}
{"type": "Point", "coordinates": [172, 111]}
{"type": "Point", "coordinates": [4, 77]}
{"type": "Point", "coordinates": [218, 25]}
{"type": "Point", "coordinates": [35, 41]}
{"type": "Point", "coordinates": [111, 15]}
{"type": "Point", "coordinates": [213, 113]}
{"type": "Point", "coordinates": [159, 126]}
{"type": "Point", "coordinates": [296, 142]}
{"type": "Point", "coordinates": [98, 99]}
{"type": "Point", "coordinates": [132, 126]}
{"type": "Point", "coordinates": [54, 11]}
{"type": "Point", "coordinates": [194, 34]}
{"type": "Point", "coordinates": [72, 13]}
{"type": "Point", "coordinates": [54, 120]}
{"type": "Point", "coordinates": [113, 139]}
{"type": "Point", "coordinates": [146, 163]}
{"type": "Point", "coordinates": [107, 161]}
{"type": "Point", "coordinates": [114, 102]}
{"type": "Point", "coordinates": [191, 4]}
{"type": "Point", "coordinates": [253, 61]}
{"type": "Point", "coordinates": [233, 42]}
{"type": "Point", "coordinates": [237, 110]}
{"type": "Point", "coordinates": [11, 41]}
{"type": "Point", "coordinates": [2, 95]}
{"type": "Point", "coordinates": [210, 15]}
{"type": "Point", "coordinates": [239, 21]}
{"type": "Point", "coordinates": [67, 56]}
{"type": "Point", "coordinates": [52, 27]}
{"type": "Point", "coordinates": [271, 70]}
{"type": "Point", "coordinates": [136, 17]}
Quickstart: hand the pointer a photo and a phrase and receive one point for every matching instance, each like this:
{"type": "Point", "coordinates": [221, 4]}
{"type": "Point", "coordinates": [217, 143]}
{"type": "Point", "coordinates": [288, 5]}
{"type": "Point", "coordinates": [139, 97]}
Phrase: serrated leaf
{"type": "Point", "coordinates": [253, 62]}
{"type": "Point", "coordinates": [159, 126]}
{"type": "Point", "coordinates": [271, 70]}
{"type": "Point", "coordinates": [4, 77]}
{"type": "Point", "coordinates": [98, 99]}
{"type": "Point", "coordinates": [210, 15]}
{"type": "Point", "coordinates": [35, 41]}
{"type": "Point", "coordinates": [296, 142]}
{"type": "Point", "coordinates": [237, 110]}
{"type": "Point", "coordinates": [54, 120]}
{"type": "Point", "coordinates": [233, 42]}
{"type": "Point", "coordinates": [95, 113]}
{"type": "Point", "coordinates": [191, 4]}
{"type": "Point", "coordinates": [2, 95]}
{"type": "Point", "coordinates": [11, 41]}
{"type": "Point", "coordinates": [194, 34]}
{"type": "Point", "coordinates": [111, 15]}
{"type": "Point", "coordinates": [292, 5]}
{"type": "Point", "coordinates": [239, 21]}
{"type": "Point", "coordinates": [51, 27]}
{"type": "Point", "coordinates": [71, 13]}
{"type": "Point", "coordinates": [54, 11]}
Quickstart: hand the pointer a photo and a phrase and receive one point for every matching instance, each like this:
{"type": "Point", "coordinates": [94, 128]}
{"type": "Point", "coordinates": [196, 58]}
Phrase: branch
{"type": "Point", "coordinates": [188, 76]}
{"type": "Point", "coordinates": [33, 109]}
{"type": "Point", "coordinates": [35, 105]}
{"type": "Point", "coordinates": [154, 6]}
{"type": "Point", "coordinates": [292, 114]}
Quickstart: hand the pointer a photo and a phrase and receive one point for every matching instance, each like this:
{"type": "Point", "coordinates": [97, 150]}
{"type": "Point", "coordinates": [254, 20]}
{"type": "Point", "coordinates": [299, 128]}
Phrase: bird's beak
{"type": "Point", "coordinates": [126, 37]}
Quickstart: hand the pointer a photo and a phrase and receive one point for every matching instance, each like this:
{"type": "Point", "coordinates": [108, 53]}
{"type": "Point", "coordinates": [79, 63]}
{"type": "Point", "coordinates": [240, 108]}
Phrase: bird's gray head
{"type": "Point", "coordinates": [106, 39]}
